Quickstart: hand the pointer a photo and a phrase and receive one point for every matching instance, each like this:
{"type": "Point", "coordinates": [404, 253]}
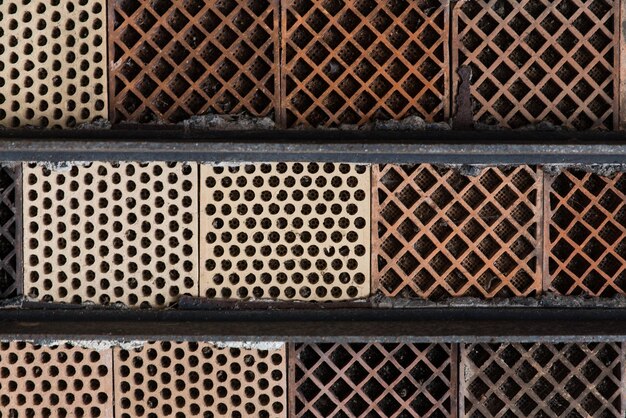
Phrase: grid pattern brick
{"type": "Point", "coordinates": [372, 380]}
{"type": "Point", "coordinates": [8, 228]}
{"type": "Point", "coordinates": [59, 381]}
{"type": "Point", "coordinates": [111, 232]}
{"type": "Point", "coordinates": [586, 233]}
{"type": "Point", "coordinates": [175, 59]}
{"type": "Point", "coordinates": [439, 233]}
{"type": "Point", "coordinates": [536, 61]}
{"type": "Point", "coordinates": [541, 380]}
{"type": "Point", "coordinates": [286, 231]}
{"type": "Point", "coordinates": [53, 56]}
{"type": "Point", "coordinates": [189, 379]}
{"type": "Point", "coordinates": [355, 61]}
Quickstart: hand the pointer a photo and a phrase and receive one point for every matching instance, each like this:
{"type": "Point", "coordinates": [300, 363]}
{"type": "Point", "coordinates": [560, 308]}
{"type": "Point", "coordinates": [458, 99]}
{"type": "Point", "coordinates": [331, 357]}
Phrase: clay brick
{"type": "Point", "coordinates": [541, 380]}
{"type": "Point", "coordinates": [8, 227]}
{"type": "Point", "coordinates": [54, 62]}
{"type": "Point", "coordinates": [356, 61]}
{"type": "Point", "coordinates": [534, 61]}
{"type": "Point", "coordinates": [200, 379]}
{"type": "Point", "coordinates": [172, 60]}
{"type": "Point", "coordinates": [377, 380]}
{"type": "Point", "coordinates": [285, 231]}
{"type": "Point", "coordinates": [59, 381]}
{"type": "Point", "coordinates": [585, 233]}
{"type": "Point", "coordinates": [439, 233]}
{"type": "Point", "coordinates": [111, 232]}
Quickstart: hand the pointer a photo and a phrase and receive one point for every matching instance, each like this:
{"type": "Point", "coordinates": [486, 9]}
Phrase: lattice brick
{"type": "Point", "coordinates": [372, 380]}
{"type": "Point", "coordinates": [198, 379]}
{"type": "Point", "coordinates": [538, 61]}
{"type": "Point", "coordinates": [111, 232]}
{"type": "Point", "coordinates": [354, 61]}
{"type": "Point", "coordinates": [60, 381]}
{"type": "Point", "coordinates": [8, 253]}
{"type": "Point", "coordinates": [285, 231]}
{"type": "Point", "coordinates": [541, 380]}
{"type": "Point", "coordinates": [586, 233]}
{"type": "Point", "coordinates": [439, 233]}
{"type": "Point", "coordinates": [53, 56]}
{"type": "Point", "coordinates": [175, 59]}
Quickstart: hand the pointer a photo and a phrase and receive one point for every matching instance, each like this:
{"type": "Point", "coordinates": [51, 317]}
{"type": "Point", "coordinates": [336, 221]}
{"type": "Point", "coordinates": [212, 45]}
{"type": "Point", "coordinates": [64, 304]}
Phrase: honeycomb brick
{"type": "Point", "coordinates": [541, 380]}
{"type": "Point", "coordinates": [355, 61]}
{"type": "Point", "coordinates": [8, 227]}
{"type": "Point", "coordinates": [539, 60]}
{"type": "Point", "coordinates": [54, 62]}
{"type": "Point", "coordinates": [60, 381]}
{"type": "Point", "coordinates": [373, 380]}
{"type": "Point", "coordinates": [174, 59]}
{"type": "Point", "coordinates": [111, 232]}
{"type": "Point", "coordinates": [285, 231]}
{"type": "Point", "coordinates": [438, 233]}
{"type": "Point", "coordinates": [199, 379]}
{"type": "Point", "coordinates": [585, 228]}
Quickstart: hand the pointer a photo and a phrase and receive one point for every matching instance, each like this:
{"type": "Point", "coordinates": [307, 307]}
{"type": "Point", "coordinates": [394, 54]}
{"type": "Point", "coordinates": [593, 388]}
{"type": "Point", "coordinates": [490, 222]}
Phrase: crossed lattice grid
{"type": "Point", "coordinates": [175, 59]}
{"type": "Point", "coordinates": [536, 61]}
{"type": "Point", "coordinates": [354, 61]}
{"type": "Point", "coordinates": [8, 255]}
{"type": "Point", "coordinates": [439, 233]}
{"type": "Point", "coordinates": [540, 380]}
{"type": "Point", "coordinates": [586, 226]}
{"type": "Point", "coordinates": [372, 380]}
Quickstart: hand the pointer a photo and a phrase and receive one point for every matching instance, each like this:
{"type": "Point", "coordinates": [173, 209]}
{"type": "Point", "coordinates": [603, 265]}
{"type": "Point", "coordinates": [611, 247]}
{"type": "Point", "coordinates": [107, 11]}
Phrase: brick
{"type": "Point", "coordinates": [357, 61]}
{"type": "Point", "coordinates": [54, 63]}
{"type": "Point", "coordinates": [200, 379]}
{"type": "Point", "coordinates": [585, 233]}
{"type": "Point", "coordinates": [173, 60]}
{"type": "Point", "coordinates": [111, 232]}
{"type": "Point", "coordinates": [438, 233]}
{"type": "Point", "coordinates": [286, 231]}
{"type": "Point", "coordinates": [535, 61]}
{"type": "Point", "coordinates": [547, 380]}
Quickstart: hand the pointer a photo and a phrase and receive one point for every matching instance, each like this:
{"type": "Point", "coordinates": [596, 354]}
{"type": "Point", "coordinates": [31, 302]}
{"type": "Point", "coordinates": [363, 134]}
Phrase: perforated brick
{"type": "Point", "coordinates": [541, 380]}
{"type": "Point", "coordinates": [199, 379]}
{"type": "Point", "coordinates": [586, 233]}
{"type": "Point", "coordinates": [538, 61]}
{"type": "Point", "coordinates": [355, 61]}
{"type": "Point", "coordinates": [53, 56]}
{"type": "Point", "coordinates": [109, 232]}
{"type": "Point", "coordinates": [373, 380]}
{"type": "Point", "coordinates": [8, 227]}
{"type": "Point", "coordinates": [285, 231]}
{"type": "Point", "coordinates": [60, 381]}
{"type": "Point", "coordinates": [171, 60]}
{"type": "Point", "coordinates": [439, 233]}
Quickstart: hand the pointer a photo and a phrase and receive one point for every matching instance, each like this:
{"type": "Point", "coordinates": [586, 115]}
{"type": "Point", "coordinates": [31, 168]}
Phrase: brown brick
{"type": "Point", "coordinates": [200, 379]}
{"type": "Point", "coordinates": [439, 233]}
{"type": "Point", "coordinates": [173, 60]}
{"type": "Point", "coordinates": [383, 380]}
{"type": "Point", "coordinates": [535, 61]}
{"type": "Point", "coordinates": [585, 227]}
{"type": "Point", "coordinates": [356, 61]}
{"type": "Point", "coordinates": [57, 381]}
{"type": "Point", "coordinates": [547, 380]}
